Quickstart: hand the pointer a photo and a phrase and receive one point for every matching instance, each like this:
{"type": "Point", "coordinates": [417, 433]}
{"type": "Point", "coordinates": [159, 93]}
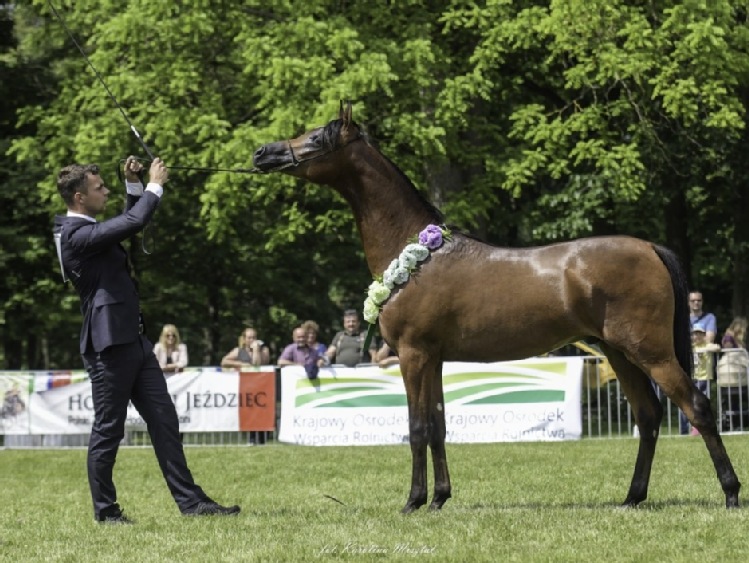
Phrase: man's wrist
{"type": "Point", "coordinates": [155, 188]}
{"type": "Point", "coordinates": [134, 187]}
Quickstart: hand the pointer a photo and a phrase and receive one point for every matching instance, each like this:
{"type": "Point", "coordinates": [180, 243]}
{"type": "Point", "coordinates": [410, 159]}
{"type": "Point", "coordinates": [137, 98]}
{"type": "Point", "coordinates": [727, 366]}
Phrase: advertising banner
{"type": "Point", "coordinates": [206, 400]}
{"type": "Point", "coordinates": [538, 399]}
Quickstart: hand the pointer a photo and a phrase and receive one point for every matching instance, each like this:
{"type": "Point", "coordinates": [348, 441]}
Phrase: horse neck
{"type": "Point", "coordinates": [387, 209]}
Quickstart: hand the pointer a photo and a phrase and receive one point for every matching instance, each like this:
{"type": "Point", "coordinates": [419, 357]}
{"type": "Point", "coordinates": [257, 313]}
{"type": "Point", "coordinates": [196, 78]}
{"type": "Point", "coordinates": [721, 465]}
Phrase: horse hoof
{"type": "Point", "coordinates": [630, 503]}
{"type": "Point", "coordinates": [732, 501]}
{"type": "Point", "coordinates": [413, 505]}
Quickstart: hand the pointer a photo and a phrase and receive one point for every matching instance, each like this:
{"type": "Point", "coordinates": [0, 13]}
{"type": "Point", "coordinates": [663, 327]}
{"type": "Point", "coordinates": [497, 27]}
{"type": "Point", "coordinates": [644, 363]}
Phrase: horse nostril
{"type": "Point", "coordinates": [259, 152]}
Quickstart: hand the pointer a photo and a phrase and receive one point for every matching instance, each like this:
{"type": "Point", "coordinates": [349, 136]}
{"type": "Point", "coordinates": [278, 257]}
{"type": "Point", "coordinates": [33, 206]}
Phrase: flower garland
{"type": "Point", "coordinates": [400, 269]}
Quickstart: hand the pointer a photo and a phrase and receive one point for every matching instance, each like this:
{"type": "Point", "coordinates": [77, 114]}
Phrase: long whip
{"type": "Point", "coordinates": [124, 114]}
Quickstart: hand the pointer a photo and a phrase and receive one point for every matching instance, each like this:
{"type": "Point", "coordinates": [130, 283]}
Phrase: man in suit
{"type": "Point", "coordinates": [116, 353]}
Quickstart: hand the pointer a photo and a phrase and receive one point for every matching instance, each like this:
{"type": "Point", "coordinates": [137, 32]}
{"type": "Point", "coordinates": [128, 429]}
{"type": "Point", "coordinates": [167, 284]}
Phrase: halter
{"type": "Point", "coordinates": [296, 161]}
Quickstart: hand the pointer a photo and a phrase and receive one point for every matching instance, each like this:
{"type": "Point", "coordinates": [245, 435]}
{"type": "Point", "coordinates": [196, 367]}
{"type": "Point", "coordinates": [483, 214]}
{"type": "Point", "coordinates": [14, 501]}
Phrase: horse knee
{"type": "Point", "coordinates": [418, 433]}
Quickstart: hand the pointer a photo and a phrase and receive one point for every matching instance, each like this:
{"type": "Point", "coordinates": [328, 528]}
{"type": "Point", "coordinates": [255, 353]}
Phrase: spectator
{"type": "Point", "coordinates": [313, 332]}
{"type": "Point", "coordinates": [347, 345]}
{"type": "Point", "coordinates": [697, 315]}
{"type": "Point", "coordinates": [704, 371]}
{"type": "Point", "coordinates": [385, 356]}
{"type": "Point", "coordinates": [249, 352]}
{"type": "Point", "coordinates": [170, 350]}
{"type": "Point", "coordinates": [299, 353]}
{"type": "Point", "coordinates": [735, 335]}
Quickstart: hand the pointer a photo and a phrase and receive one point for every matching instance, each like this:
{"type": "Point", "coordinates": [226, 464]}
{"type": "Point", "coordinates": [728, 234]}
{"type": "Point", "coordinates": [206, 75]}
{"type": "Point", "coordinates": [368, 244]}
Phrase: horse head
{"type": "Point", "coordinates": [300, 155]}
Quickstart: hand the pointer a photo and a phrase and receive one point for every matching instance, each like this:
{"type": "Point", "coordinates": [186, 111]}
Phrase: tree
{"type": "Point", "coordinates": [526, 122]}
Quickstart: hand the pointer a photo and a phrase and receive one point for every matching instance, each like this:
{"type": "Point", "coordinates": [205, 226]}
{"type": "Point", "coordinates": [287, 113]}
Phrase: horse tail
{"type": "Point", "coordinates": [682, 332]}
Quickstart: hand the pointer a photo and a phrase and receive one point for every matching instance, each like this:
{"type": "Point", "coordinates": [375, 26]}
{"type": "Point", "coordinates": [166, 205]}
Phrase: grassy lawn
{"type": "Point", "coordinates": [511, 502]}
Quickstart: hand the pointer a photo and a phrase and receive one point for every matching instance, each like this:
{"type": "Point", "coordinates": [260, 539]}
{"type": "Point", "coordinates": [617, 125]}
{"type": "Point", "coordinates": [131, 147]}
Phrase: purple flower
{"type": "Point", "coordinates": [431, 237]}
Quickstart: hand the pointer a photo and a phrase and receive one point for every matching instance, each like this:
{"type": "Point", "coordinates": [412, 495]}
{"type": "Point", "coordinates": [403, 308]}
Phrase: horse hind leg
{"type": "Point", "coordinates": [437, 433]}
{"type": "Point", "coordinates": [696, 407]}
{"type": "Point", "coordinates": [648, 414]}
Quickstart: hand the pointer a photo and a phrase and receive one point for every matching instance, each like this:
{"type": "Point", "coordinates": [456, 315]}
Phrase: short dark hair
{"type": "Point", "coordinates": [72, 179]}
{"type": "Point", "coordinates": [351, 313]}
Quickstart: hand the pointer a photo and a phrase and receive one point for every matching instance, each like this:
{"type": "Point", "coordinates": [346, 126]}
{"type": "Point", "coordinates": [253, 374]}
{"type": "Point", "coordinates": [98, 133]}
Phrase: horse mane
{"type": "Point", "coordinates": [331, 135]}
{"type": "Point", "coordinates": [428, 205]}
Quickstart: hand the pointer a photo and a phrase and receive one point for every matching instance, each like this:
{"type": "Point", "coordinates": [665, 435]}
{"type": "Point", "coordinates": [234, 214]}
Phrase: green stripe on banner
{"type": "Point", "coordinates": [475, 390]}
{"type": "Point", "coordinates": [526, 397]}
{"type": "Point", "coordinates": [310, 384]}
{"type": "Point", "coordinates": [302, 400]}
{"type": "Point", "coordinates": [389, 400]}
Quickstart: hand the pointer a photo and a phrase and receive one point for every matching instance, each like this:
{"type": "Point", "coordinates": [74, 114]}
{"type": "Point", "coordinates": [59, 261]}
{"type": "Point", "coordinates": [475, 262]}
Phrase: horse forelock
{"type": "Point", "coordinates": [331, 134]}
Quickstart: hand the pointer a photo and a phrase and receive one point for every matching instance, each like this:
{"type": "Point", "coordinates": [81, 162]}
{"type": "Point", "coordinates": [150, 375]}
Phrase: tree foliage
{"type": "Point", "coordinates": [526, 122]}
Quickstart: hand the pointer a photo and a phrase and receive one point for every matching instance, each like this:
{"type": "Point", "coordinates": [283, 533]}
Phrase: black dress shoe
{"type": "Point", "coordinates": [210, 508]}
{"type": "Point", "coordinates": [114, 517]}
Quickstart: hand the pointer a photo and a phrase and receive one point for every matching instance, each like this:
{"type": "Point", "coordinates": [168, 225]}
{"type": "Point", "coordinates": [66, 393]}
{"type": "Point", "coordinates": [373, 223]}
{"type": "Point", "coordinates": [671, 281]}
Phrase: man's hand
{"type": "Point", "coordinates": [132, 169]}
{"type": "Point", "coordinates": [158, 174]}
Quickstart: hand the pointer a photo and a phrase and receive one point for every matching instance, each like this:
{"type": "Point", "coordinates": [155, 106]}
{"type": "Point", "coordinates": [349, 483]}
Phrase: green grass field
{"type": "Point", "coordinates": [511, 502]}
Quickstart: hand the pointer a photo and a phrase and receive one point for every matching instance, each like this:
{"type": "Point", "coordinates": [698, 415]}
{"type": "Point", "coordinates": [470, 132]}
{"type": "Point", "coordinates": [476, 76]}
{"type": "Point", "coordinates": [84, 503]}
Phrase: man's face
{"type": "Point", "coordinates": [300, 337]}
{"type": "Point", "coordinates": [94, 200]}
{"type": "Point", "coordinates": [695, 302]}
{"type": "Point", "coordinates": [351, 323]}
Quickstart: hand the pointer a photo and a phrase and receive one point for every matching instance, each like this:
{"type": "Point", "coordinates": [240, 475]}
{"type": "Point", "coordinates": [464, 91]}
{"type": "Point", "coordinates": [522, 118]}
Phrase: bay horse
{"type": "Point", "coordinates": [471, 301]}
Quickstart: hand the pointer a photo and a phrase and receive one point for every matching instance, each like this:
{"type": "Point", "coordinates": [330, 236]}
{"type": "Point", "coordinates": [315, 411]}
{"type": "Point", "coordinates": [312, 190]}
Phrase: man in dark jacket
{"type": "Point", "coordinates": [116, 353]}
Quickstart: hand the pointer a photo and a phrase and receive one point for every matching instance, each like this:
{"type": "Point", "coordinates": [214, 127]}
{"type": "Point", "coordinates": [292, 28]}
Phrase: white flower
{"type": "Point", "coordinates": [412, 255]}
{"type": "Point", "coordinates": [418, 251]}
{"type": "Point", "coordinates": [407, 261]}
{"type": "Point", "coordinates": [378, 292]}
{"type": "Point", "coordinates": [371, 311]}
{"type": "Point", "coordinates": [400, 276]}
{"type": "Point", "coordinates": [389, 275]}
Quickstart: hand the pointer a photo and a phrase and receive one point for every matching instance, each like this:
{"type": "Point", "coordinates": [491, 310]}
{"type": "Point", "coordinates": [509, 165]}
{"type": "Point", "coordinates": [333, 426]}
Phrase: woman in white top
{"type": "Point", "coordinates": [171, 353]}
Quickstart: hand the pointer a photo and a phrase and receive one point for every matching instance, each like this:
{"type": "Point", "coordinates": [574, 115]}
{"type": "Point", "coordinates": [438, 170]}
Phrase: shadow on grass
{"type": "Point", "coordinates": [647, 506]}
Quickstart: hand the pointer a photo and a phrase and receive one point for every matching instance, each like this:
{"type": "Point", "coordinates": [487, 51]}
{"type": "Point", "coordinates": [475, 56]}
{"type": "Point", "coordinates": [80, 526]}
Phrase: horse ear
{"type": "Point", "coordinates": [346, 113]}
{"type": "Point", "coordinates": [340, 110]}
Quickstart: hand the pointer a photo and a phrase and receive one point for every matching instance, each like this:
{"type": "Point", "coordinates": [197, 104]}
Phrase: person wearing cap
{"type": "Point", "coordinates": [704, 368]}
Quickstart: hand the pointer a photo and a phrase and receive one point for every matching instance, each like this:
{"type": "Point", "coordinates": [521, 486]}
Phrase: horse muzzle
{"type": "Point", "coordinates": [274, 157]}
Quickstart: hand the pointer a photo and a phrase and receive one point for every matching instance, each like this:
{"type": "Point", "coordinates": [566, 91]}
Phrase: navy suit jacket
{"type": "Point", "coordinates": [96, 262]}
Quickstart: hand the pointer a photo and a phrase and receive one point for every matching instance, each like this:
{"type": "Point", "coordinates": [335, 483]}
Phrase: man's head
{"type": "Point", "coordinates": [300, 336]}
{"type": "Point", "coordinates": [82, 189]}
{"type": "Point", "coordinates": [695, 302]}
{"type": "Point", "coordinates": [351, 320]}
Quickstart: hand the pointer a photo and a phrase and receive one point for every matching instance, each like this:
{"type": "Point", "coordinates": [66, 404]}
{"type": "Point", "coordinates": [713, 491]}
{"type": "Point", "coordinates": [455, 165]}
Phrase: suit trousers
{"type": "Point", "coordinates": [119, 374]}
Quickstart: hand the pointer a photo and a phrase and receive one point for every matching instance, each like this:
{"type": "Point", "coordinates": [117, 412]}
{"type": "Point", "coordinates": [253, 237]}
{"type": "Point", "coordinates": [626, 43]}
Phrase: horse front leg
{"type": "Point", "coordinates": [442, 489]}
{"type": "Point", "coordinates": [418, 383]}
{"type": "Point", "coordinates": [417, 428]}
